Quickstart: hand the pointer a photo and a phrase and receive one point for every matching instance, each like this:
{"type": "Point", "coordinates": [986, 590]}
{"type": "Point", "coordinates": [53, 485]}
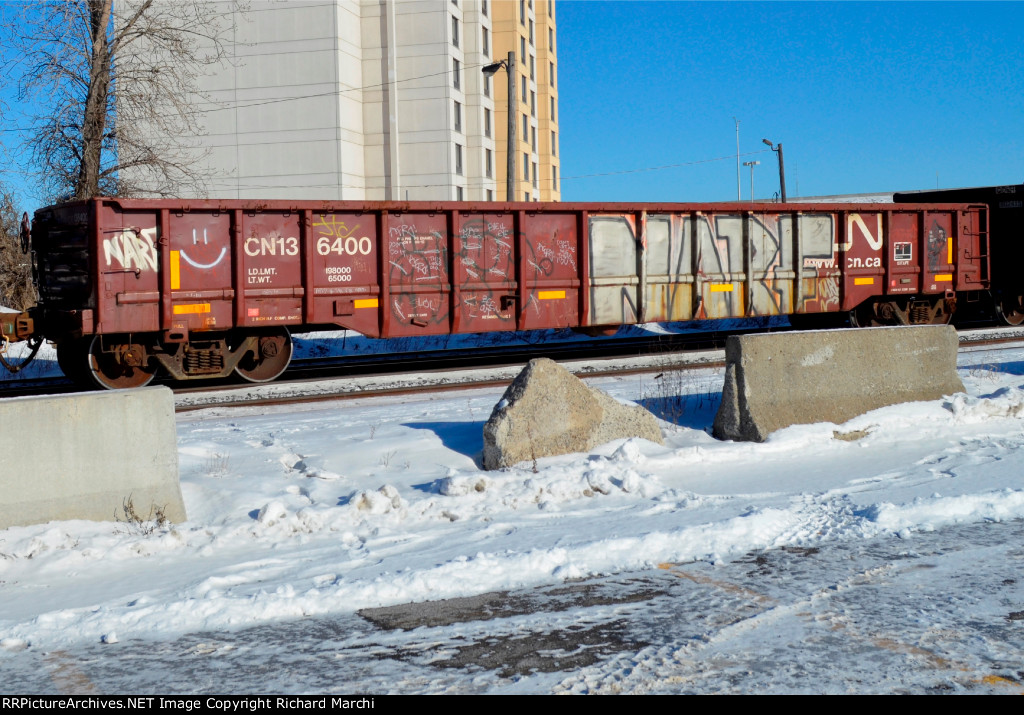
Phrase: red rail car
{"type": "Point", "coordinates": [204, 288]}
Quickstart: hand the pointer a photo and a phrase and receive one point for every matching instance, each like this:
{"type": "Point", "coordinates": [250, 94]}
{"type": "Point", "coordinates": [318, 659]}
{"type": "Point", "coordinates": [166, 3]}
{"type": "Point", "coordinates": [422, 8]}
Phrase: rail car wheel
{"type": "Point", "coordinates": [1011, 309]}
{"type": "Point", "coordinates": [271, 357]}
{"type": "Point", "coordinates": [123, 368]}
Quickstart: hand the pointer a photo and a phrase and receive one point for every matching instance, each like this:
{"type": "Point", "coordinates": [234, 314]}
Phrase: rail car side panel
{"type": "Point", "coordinates": [341, 262]}
{"type": "Point", "coordinates": [417, 299]}
{"type": "Point", "coordinates": [815, 242]}
{"type": "Point", "coordinates": [551, 265]}
{"type": "Point", "coordinates": [484, 272]}
{"type": "Point", "coordinates": [861, 257]}
{"type": "Point", "coordinates": [201, 279]}
{"type": "Point", "coordinates": [614, 282]}
{"type": "Point", "coordinates": [126, 262]}
{"type": "Point", "coordinates": [268, 268]}
{"type": "Point", "coordinates": [669, 268]}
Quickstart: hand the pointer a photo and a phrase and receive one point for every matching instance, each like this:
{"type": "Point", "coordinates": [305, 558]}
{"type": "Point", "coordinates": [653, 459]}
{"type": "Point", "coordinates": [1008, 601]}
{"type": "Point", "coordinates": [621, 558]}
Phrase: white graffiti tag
{"type": "Point", "coordinates": [132, 250]}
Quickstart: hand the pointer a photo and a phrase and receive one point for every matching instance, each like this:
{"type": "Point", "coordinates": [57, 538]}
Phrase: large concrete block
{"type": "Point", "coordinates": [83, 456]}
{"type": "Point", "coordinates": [776, 380]}
{"type": "Point", "coordinates": [548, 411]}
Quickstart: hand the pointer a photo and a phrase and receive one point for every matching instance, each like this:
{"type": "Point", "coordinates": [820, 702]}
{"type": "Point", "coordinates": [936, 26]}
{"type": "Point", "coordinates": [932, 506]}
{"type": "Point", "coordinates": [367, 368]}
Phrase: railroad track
{"type": "Point", "coordinates": [310, 380]}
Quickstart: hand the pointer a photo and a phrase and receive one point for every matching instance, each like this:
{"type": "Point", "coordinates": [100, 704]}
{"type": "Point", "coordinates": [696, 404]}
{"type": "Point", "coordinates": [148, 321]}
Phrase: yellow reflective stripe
{"type": "Point", "coordinates": [949, 250]}
{"type": "Point", "coordinates": [550, 294]}
{"type": "Point", "coordinates": [863, 281]}
{"type": "Point", "coordinates": [192, 308]}
{"type": "Point", "coordinates": [721, 287]}
{"type": "Point", "coordinates": [944, 277]}
{"type": "Point", "coordinates": [175, 270]}
{"type": "Point", "coordinates": [365, 303]}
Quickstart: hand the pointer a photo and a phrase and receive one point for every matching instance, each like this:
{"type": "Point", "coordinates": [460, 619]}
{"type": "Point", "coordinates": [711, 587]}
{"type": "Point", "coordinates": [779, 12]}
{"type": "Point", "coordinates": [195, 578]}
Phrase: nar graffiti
{"type": "Point", "coordinates": [132, 249]}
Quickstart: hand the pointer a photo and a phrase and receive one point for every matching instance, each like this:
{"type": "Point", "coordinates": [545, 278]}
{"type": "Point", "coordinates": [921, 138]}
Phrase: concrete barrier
{"type": "Point", "coordinates": [776, 380]}
{"type": "Point", "coordinates": [84, 456]}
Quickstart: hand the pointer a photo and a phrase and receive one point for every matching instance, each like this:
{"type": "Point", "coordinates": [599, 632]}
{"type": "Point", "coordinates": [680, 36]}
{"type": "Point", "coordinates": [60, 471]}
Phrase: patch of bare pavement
{"type": "Point", "coordinates": [932, 612]}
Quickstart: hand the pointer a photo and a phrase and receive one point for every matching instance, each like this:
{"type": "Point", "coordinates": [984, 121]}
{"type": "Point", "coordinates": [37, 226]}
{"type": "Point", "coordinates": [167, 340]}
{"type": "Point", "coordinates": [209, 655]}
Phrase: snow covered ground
{"type": "Point", "coordinates": [334, 507]}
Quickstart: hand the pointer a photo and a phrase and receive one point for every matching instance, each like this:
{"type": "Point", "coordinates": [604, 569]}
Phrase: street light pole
{"type": "Point", "coordinates": [751, 164]}
{"type": "Point", "coordinates": [782, 168]}
{"type": "Point", "coordinates": [509, 65]}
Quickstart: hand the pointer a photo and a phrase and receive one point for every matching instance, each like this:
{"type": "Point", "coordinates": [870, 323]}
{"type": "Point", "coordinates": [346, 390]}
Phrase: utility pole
{"type": "Point", "coordinates": [738, 196]}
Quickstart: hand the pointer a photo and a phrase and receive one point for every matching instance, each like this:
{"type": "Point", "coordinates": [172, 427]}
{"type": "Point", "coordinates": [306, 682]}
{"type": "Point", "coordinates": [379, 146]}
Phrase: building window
{"type": "Point", "coordinates": [533, 134]}
{"type": "Point", "coordinates": [551, 4]}
{"type": "Point", "coordinates": [533, 103]}
{"type": "Point", "coordinates": [551, 36]}
{"type": "Point", "coordinates": [552, 109]}
{"type": "Point", "coordinates": [455, 31]}
{"type": "Point", "coordinates": [458, 117]}
{"type": "Point", "coordinates": [522, 12]}
{"type": "Point", "coordinates": [523, 82]}
{"type": "Point", "coordinates": [554, 178]}
{"type": "Point", "coordinates": [487, 44]}
{"type": "Point", "coordinates": [531, 32]}
{"type": "Point", "coordinates": [522, 49]}
{"type": "Point", "coordinates": [526, 127]}
{"type": "Point", "coordinates": [490, 195]}
{"type": "Point", "coordinates": [526, 196]}
{"type": "Point", "coordinates": [456, 80]}
{"type": "Point", "coordinates": [554, 144]}
{"type": "Point", "coordinates": [458, 159]}
{"type": "Point", "coordinates": [483, 8]}
{"type": "Point", "coordinates": [526, 168]}
{"type": "Point", "coordinates": [487, 86]}
{"type": "Point", "coordinates": [487, 162]}
{"type": "Point", "coordinates": [535, 175]}
{"type": "Point", "coordinates": [458, 193]}
{"type": "Point", "coordinates": [487, 123]}
{"type": "Point", "coordinates": [551, 73]}
{"type": "Point", "coordinates": [533, 67]}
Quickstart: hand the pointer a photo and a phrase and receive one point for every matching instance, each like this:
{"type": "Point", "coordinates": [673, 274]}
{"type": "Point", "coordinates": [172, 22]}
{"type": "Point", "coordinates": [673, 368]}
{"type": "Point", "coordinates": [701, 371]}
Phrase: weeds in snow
{"type": "Point", "coordinates": [674, 395]}
{"type": "Point", "coordinates": [216, 465]}
{"type": "Point", "coordinates": [385, 459]}
{"type": "Point", "coordinates": [136, 524]}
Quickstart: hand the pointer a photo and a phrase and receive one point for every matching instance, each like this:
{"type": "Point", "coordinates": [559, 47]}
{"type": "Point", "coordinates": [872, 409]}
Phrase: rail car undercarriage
{"type": "Point", "coordinates": [127, 361]}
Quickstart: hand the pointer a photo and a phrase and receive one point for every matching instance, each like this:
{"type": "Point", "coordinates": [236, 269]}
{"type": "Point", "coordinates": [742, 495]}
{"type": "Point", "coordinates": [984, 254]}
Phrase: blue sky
{"type": "Point", "coordinates": [863, 96]}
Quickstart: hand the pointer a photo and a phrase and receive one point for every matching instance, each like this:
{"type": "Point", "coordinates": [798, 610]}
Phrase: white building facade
{"type": "Point", "coordinates": [353, 99]}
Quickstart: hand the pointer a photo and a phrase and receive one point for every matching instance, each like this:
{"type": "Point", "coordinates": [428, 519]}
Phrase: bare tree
{"type": "Point", "coordinates": [110, 89]}
{"type": "Point", "coordinates": [16, 290]}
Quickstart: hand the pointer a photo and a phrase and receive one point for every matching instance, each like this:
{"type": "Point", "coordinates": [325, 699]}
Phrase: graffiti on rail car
{"type": "Point", "coordinates": [483, 263]}
{"type": "Point", "coordinates": [485, 271]}
{"type": "Point", "coordinates": [418, 271]}
{"type": "Point", "coordinates": [937, 243]}
{"type": "Point", "coordinates": [132, 249]}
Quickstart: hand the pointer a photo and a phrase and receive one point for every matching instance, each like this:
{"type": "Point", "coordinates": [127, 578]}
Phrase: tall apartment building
{"type": "Point", "coordinates": [378, 100]}
{"type": "Point", "coordinates": [527, 27]}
